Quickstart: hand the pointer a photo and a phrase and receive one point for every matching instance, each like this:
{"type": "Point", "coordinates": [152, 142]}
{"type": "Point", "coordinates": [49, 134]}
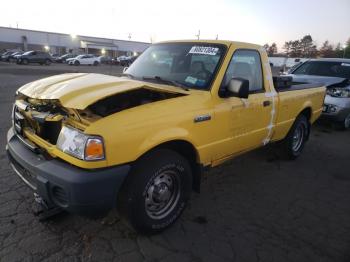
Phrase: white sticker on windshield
{"type": "Point", "coordinates": [345, 64]}
{"type": "Point", "coordinates": [191, 80]}
{"type": "Point", "coordinates": [204, 50]}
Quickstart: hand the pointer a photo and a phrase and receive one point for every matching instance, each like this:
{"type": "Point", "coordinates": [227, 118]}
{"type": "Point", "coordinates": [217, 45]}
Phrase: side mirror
{"type": "Point", "coordinates": [238, 87]}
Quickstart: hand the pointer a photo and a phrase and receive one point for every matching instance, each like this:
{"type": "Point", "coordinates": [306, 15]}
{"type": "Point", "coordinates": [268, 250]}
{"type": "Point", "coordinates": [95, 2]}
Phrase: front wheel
{"type": "Point", "coordinates": [295, 140]}
{"type": "Point", "coordinates": [95, 63]}
{"type": "Point", "coordinates": [156, 191]}
{"type": "Point", "coordinates": [343, 125]}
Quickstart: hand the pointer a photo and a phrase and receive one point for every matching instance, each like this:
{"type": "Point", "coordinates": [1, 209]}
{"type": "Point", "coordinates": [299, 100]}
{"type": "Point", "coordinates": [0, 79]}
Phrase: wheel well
{"type": "Point", "coordinates": [188, 151]}
{"type": "Point", "coordinates": [307, 113]}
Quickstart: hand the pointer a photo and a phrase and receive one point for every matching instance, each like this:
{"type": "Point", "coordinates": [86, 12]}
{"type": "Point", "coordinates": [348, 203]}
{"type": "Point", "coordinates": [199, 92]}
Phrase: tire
{"type": "Point", "coordinates": [95, 63]}
{"type": "Point", "coordinates": [343, 125]}
{"type": "Point", "coordinates": [76, 63]}
{"type": "Point", "coordinates": [47, 62]}
{"type": "Point", "coordinates": [156, 191]}
{"type": "Point", "coordinates": [25, 61]}
{"type": "Point", "coordinates": [294, 142]}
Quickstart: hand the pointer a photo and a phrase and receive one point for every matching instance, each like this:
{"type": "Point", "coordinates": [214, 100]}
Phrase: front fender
{"type": "Point", "coordinates": [163, 136]}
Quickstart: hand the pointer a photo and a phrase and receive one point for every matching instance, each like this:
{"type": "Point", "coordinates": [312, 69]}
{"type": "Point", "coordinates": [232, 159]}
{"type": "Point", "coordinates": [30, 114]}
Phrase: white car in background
{"type": "Point", "coordinates": [84, 60]}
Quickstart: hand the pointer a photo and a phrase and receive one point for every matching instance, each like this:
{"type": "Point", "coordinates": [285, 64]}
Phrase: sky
{"type": "Point", "coordinates": [256, 21]}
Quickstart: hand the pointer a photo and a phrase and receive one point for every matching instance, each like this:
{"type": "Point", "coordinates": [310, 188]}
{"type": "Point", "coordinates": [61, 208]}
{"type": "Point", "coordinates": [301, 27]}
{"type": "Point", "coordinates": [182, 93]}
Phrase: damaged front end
{"type": "Point", "coordinates": [42, 118]}
{"type": "Point", "coordinates": [45, 125]}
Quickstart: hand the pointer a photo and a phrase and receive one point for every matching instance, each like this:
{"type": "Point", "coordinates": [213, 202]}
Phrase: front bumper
{"type": "Point", "coordinates": [76, 190]}
{"type": "Point", "coordinates": [336, 108]}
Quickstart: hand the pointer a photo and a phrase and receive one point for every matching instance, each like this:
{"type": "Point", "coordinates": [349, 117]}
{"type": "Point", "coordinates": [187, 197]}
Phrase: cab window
{"type": "Point", "coordinates": [245, 64]}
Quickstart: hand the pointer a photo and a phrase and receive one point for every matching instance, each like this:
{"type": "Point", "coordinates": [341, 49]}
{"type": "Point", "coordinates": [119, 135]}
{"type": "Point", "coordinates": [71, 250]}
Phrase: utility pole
{"type": "Point", "coordinates": [129, 36]}
{"type": "Point", "coordinates": [217, 37]}
{"type": "Point", "coordinates": [199, 34]}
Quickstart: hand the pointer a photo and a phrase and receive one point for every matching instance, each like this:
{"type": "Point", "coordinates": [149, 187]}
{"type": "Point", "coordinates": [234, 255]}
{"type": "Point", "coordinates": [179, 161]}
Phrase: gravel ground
{"type": "Point", "coordinates": [254, 208]}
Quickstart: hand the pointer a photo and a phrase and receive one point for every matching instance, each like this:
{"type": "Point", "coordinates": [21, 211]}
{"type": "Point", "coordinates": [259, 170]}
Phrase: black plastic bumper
{"type": "Point", "coordinates": [76, 190]}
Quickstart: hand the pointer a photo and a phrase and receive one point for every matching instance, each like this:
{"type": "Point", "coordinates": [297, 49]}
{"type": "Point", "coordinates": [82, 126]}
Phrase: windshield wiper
{"type": "Point", "coordinates": [165, 81]}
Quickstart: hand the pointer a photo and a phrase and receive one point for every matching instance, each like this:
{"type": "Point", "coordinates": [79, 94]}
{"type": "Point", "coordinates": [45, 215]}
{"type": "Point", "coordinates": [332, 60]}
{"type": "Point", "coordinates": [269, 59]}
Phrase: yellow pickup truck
{"type": "Point", "coordinates": [87, 143]}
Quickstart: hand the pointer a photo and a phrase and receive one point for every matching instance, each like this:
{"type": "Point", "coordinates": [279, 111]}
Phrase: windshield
{"type": "Point", "coordinates": [324, 68]}
{"type": "Point", "coordinates": [190, 64]}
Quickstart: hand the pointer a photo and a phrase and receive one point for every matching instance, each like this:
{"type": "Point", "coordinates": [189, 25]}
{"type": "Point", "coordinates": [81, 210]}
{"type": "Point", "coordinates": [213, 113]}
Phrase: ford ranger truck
{"type": "Point", "coordinates": [88, 143]}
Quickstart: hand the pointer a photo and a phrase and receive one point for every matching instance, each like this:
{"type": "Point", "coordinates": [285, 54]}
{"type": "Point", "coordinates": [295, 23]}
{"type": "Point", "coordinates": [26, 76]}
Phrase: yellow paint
{"type": "Point", "coordinates": [236, 125]}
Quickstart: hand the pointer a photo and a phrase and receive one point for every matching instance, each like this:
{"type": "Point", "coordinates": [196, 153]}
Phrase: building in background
{"type": "Point", "coordinates": [57, 43]}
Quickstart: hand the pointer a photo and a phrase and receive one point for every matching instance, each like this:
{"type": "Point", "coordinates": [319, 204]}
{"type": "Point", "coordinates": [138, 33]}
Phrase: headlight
{"type": "Point", "coordinates": [338, 92]}
{"type": "Point", "coordinates": [79, 145]}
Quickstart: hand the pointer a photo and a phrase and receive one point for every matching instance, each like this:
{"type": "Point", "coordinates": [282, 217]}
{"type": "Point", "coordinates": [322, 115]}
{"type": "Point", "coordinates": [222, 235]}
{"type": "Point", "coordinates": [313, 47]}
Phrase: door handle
{"type": "Point", "coordinates": [266, 103]}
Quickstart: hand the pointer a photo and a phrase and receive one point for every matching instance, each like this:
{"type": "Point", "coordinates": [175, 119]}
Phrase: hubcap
{"type": "Point", "coordinates": [298, 137]}
{"type": "Point", "coordinates": [162, 195]}
{"type": "Point", "coordinates": [347, 122]}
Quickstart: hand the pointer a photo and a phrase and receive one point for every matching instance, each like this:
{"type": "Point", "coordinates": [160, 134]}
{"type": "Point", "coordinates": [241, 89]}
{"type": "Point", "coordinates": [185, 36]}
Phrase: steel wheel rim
{"type": "Point", "coordinates": [298, 137]}
{"type": "Point", "coordinates": [347, 121]}
{"type": "Point", "coordinates": [162, 195]}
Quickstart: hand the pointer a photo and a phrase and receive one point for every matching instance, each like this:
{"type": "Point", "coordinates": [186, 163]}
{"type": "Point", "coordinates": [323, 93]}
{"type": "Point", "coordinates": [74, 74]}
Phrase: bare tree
{"type": "Point", "coordinates": [266, 46]}
{"type": "Point", "coordinates": [295, 49]}
{"type": "Point", "coordinates": [347, 49]}
{"type": "Point", "coordinates": [307, 46]}
{"type": "Point", "coordinates": [287, 47]}
{"type": "Point", "coordinates": [327, 50]}
{"type": "Point", "coordinates": [272, 50]}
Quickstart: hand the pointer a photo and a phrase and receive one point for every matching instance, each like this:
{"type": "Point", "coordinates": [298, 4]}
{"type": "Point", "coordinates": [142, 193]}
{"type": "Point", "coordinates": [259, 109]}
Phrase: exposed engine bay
{"type": "Point", "coordinates": [46, 117]}
{"type": "Point", "coordinates": [123, 101]}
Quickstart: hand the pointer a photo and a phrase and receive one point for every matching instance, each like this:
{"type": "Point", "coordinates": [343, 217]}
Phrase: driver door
{"type": "Point", "coordinates": [248, 120]}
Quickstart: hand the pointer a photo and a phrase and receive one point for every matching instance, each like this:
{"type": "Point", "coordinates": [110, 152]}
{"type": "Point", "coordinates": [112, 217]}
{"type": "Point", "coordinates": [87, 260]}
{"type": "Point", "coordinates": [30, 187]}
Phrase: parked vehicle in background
{"type": "Point", "coordinates": [5, 56]}
{"type": "Point", "coordinates": [13, 57]}
{"type": "Point", "coordinates": [84, 60]}
{"type": "Point", "coordinates": [40, 57]}
{"type": "Point", "coordinates": [63, 58]}
{"type": "Point", "coordinates": [88, 143]}
{"type": "Point", "coordinates": [54, 56]}
{"type": "Point", "coordinates": [126, 60]}
{"type": "Point", "coordinates": [106, 60]}
{"type": "Point", "coordinates": [335, 74]}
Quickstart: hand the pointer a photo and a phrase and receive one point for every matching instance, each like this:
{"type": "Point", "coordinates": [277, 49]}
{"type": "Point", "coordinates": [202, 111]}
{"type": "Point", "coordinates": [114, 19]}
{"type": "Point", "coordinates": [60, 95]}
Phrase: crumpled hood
{"type": "Point", "coordinates": [328, 81]}
{"type": "Point", "coordinates": [79, 90]}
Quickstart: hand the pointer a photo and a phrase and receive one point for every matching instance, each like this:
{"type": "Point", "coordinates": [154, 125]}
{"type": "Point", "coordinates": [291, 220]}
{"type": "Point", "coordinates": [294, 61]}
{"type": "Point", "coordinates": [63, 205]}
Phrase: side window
{"type": "Point", "coordinates": [245, 64]}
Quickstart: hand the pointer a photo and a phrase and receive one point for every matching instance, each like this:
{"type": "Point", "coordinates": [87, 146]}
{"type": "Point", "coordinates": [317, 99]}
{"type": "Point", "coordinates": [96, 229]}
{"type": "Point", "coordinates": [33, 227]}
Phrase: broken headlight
{"type": "Point", "coordinates": [80, 145]}
{"type": "Point", "coordinates": [338, 92]}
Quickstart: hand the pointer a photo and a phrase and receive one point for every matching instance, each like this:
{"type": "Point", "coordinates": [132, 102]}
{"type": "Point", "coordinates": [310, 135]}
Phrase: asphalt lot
{"type": "Point", "coordinates": [254, 208]}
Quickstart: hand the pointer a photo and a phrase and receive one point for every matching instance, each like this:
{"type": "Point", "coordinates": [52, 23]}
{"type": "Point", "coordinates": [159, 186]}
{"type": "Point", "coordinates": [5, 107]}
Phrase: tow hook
{"type": "Point", "coordinates": [40, 200]}
{"type": "Point", "coordinates": [43, 211]}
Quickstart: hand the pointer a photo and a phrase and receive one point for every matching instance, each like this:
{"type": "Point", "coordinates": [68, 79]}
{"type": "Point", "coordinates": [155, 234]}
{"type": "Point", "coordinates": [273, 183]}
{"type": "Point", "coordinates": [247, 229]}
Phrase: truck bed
{"type": "Point", "coordinates": [286, 83]}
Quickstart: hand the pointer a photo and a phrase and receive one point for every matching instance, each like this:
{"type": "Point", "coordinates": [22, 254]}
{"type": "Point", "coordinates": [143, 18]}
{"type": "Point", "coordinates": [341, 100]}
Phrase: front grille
{"type": "Point", "coordinates": [48, 130]}
{"type": "Point", "coordinates": [28, 177]}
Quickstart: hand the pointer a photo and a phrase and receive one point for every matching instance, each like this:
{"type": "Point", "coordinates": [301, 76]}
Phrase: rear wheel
{"type": "Point", "coordinates": [156, 191]}
{"type": "Point", "coordinates": [25, 61]}
{"type": "Point", "coordinates": [47, 62]}
{"type": "Point", "coordinates": [76, 63]}
{"type": "Point", "coordinates": [294, 142]}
